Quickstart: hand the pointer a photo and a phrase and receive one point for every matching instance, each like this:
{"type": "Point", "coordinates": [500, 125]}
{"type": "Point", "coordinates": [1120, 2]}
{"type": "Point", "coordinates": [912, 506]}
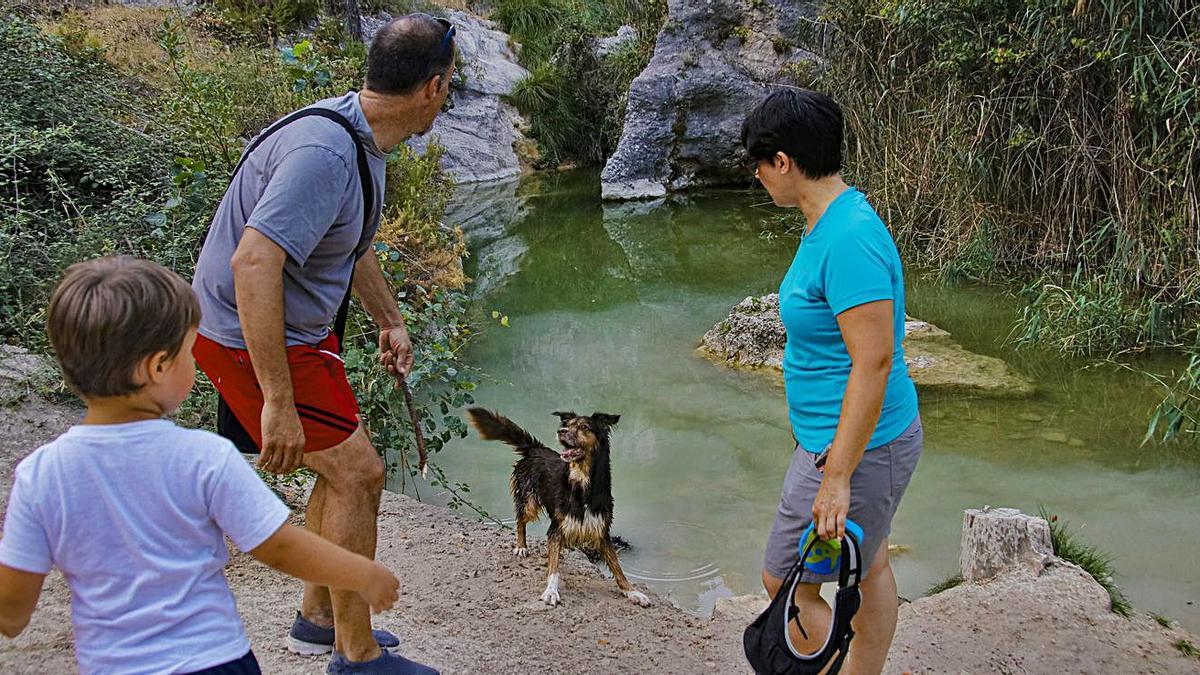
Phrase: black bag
{"type": "Point", "coordinates": [227, 423]}
{"type": "Point", "coordinates": [766, 642]}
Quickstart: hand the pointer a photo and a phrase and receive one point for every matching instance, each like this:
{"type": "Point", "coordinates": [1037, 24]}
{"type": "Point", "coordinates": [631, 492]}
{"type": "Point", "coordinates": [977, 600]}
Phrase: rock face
{"type": "Point", "coordinates": [711, 62]}
{"type": "Point", "coordinates": [482, 133]}
{"type": "Point", "coordinates": [752, 336]}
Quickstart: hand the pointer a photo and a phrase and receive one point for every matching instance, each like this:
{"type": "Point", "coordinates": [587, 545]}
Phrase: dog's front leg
{"type": "Point", "coordinates": [553, 548]}
{"type": "Point", "coordinates": [609, 554]}
{"type": "Point", "coordinates": [521, 549]}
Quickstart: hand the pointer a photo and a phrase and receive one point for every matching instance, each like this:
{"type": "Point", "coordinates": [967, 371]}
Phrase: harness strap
{"type": "Point", "coordinates": [368, 193]}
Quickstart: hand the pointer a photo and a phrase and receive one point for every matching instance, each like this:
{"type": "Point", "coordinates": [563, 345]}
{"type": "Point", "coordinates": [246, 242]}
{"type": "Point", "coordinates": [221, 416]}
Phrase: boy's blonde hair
{"type": "Point", "coordinates": [110, 313]}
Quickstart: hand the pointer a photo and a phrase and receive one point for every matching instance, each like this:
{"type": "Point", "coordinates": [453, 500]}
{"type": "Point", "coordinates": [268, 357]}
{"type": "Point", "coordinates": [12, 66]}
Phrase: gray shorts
{"type": "Point", "coordinates": [875, 490]}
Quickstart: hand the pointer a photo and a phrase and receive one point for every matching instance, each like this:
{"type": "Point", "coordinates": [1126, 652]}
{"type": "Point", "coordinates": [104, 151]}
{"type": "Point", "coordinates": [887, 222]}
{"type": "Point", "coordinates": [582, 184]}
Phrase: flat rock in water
{"type": "Point", "coordinates": [753, 337]}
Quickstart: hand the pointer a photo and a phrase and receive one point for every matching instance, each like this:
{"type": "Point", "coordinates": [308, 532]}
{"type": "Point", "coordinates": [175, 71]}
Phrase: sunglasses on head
{"type": "Point", "coordinates": [447, 45]}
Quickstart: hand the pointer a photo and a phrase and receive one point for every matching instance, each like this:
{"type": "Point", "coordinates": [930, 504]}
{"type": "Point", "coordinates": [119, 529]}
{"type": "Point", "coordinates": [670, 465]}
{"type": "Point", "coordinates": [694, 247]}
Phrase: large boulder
{"type": "Point", "coordinates": [482, 133]}
{"type": "Point", "coordinates": [711, 63]}
{"type": "Point", "coordinates": [753, 337]}
{"type": "Point", "coordinates": [1021, 609]}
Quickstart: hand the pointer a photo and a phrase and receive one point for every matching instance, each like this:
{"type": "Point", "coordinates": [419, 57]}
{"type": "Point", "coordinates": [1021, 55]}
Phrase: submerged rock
{"type": "Point", "coordinates": [711, 63]}
{"type": "Point", "coordinates": [753, 336]}
{"type": "Point", "coordinates": [482, 133]}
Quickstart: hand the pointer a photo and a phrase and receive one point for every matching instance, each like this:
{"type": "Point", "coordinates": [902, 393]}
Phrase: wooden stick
{"type": "Point", "coordinates": [422, 466]}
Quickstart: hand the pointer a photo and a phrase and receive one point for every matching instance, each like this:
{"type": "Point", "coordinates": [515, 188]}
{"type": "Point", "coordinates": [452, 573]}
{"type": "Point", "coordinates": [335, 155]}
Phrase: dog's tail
{"type": "Point", "coordinates": [495, 427]}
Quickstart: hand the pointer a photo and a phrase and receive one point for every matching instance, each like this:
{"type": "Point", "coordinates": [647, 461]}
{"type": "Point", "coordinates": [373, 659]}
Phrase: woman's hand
{"type": "Point", "coordinates": [831, 506]}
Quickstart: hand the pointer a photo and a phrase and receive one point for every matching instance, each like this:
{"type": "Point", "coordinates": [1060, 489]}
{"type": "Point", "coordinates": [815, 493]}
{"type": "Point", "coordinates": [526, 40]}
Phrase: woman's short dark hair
{"type": "Point", "coordinates": [406, 52]}
{"type": "Point", "coordinates": [803, 124]}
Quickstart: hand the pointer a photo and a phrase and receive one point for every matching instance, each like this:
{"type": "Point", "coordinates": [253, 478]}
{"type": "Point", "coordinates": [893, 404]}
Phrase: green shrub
{"type": "Point", "coordinates": [575, 100]}
{"type": "Point", "coordinates": [78, 176]}
{"type": "Point", "coordinates": [267, 21]}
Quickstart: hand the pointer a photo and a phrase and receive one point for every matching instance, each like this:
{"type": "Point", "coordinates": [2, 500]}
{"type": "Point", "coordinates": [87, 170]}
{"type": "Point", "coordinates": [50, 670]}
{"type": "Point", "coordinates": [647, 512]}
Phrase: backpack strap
{"type": "Point", "coordinates": [364, 175]}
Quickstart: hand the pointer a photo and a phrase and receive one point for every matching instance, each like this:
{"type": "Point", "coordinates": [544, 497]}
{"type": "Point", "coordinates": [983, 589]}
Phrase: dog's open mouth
{"type": "Point", "coordinates": [571, 453]}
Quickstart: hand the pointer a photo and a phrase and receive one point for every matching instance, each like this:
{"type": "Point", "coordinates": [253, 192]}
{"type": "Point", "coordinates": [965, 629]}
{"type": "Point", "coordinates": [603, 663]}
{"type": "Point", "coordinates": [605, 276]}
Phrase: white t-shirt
{"type": "Point", "coordinates": [134, 516]}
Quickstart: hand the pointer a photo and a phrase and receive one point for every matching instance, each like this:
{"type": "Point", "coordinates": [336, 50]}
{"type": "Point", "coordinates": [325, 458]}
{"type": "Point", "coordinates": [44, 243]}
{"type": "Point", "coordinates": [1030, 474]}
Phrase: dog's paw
{"type": "Point", "coordinates": [550, 597]}
{"type": "Point", "coordinates": [638, 598]}
{"type": "Point", "coordinates": [520, 552]}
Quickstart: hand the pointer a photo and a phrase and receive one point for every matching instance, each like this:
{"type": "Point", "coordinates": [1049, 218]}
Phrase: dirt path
{"type": "Point", "coordinates": [469, 606]}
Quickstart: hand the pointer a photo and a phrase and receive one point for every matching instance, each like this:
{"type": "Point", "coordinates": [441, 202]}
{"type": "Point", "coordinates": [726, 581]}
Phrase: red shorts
{"type": "Point", "coordinates": [326, 405]}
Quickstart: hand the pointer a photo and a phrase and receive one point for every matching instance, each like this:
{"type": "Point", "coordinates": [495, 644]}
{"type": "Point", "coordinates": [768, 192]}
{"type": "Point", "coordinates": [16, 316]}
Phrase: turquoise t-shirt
{"type": "Point", "coordinates": [847, 259]}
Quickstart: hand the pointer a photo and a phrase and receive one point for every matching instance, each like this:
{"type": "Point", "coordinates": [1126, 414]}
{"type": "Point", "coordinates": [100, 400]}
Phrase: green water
{"type": "Point", "coordinates": [606, 305]}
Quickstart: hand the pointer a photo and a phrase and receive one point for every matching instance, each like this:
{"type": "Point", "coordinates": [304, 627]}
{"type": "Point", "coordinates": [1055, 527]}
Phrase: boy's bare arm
{"type": "Point", "coordinates": [304, 555]}
{"type": "Point", "coordinates": [19, 592]}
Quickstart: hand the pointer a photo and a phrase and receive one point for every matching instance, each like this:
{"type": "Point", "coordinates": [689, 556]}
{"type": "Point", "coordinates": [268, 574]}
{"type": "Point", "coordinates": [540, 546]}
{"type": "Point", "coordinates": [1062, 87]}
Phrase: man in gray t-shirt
{"type": "Point", "coordinates": [287, 239]}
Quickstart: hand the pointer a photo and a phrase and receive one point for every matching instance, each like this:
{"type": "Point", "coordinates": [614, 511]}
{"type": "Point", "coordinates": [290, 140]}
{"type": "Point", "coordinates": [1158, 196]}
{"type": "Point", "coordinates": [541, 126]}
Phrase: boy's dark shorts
{"type": "Point", "coordinates": [876, 487]}
{"type": "Point", "coordinates": [326, 404]}
{"type": "Point", "coordinates": [247, 665]}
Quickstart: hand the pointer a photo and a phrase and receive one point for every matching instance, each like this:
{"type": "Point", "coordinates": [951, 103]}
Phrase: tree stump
{"type": "Point", "coordinates": [994, 540]}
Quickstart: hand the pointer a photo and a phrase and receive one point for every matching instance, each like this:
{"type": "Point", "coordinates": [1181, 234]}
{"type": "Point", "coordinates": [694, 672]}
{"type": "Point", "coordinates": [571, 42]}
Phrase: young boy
{"type": "Point", "coordinates": [134, 509]}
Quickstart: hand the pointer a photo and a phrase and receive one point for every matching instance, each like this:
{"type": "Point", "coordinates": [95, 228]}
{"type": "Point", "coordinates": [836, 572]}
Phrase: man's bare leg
{"type": "Point", "coordinates": [874, 623]}
{"type": "Point", "coordinates": [354, 476]}
{"type": "Point", "coordinates": [316, 606]}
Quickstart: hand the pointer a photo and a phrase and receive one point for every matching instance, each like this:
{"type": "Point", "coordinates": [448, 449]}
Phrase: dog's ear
{"type": "Point", "coordinates": [565, 416]}
{"type": "Point", "coordinates": [604, 419]}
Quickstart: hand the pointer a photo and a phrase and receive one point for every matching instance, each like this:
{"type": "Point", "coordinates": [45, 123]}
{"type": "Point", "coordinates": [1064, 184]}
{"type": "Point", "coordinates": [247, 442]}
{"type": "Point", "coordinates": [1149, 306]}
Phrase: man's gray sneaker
{"type": "Point", "coordinates": [387, 664]}
{"type": "Point", "coordinates": [308, 639]}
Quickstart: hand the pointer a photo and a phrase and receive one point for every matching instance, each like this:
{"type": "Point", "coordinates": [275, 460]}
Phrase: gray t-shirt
{"type": "Point", "coordinates": [301, 189]}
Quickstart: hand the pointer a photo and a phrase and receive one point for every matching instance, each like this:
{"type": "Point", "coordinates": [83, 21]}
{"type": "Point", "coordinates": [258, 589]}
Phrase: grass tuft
{"type": "Point", "coordinates": [1163, 621]}
{"type": "Point", "coordinates": [1188, 649]}
{"type": "Point", "coordinates": [1096, 563]}
{"type": "Point", "coordinates": [945, 584]}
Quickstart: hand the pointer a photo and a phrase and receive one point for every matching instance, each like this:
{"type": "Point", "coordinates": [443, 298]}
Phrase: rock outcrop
{"type": "Point", "coordinates": [1016, 592]}
{"type": "Point", "coordinates": [482, 133]}
{"type": "Point", "coordinates": [752, 336]}
{"type": "Point", "coordinates": [23, 373]}
{"type": "Point", "coordinates": [711, 63]}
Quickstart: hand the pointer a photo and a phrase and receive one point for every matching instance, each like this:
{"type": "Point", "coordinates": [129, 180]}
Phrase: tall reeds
{"type": "Point", "coordinates": [1048, 136]}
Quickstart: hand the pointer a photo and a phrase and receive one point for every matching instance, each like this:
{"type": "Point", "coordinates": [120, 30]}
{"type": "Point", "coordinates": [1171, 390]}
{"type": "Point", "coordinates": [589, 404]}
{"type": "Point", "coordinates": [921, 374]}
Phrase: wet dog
{"type": "Point", "coordinates": [574, 488]}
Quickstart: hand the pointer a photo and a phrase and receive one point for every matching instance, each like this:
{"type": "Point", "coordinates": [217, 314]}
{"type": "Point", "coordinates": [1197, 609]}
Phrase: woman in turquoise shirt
{"type": "Point", "coordinates": [847, 386]}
